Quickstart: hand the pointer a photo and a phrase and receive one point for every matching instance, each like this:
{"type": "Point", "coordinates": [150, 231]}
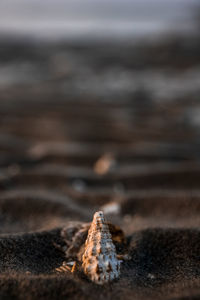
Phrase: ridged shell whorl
{"type": "Point", "coordinates": [99, 260]}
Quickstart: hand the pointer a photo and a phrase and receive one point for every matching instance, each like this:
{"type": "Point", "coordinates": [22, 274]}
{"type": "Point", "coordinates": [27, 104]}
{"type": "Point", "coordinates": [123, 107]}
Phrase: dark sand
{"type": "Point", "coordinates": [49, 148]}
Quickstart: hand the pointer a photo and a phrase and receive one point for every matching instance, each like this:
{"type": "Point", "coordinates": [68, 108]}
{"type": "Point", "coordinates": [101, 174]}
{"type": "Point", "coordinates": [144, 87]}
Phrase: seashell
{"type": "Point", "coordinates": [99, 261]}
{"type": "Point", "coordinates": [66, 267]}
{"type": "Point", "coordinates": [104, 164]}
{"type": "Point", "coordinates": [74, 236]}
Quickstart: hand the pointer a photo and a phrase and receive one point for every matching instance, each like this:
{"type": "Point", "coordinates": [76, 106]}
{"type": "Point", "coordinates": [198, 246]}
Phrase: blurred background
{"type": "Point", "coordinates": [106, 49]}
{"type": "Point", "coordinates": [99, 99]}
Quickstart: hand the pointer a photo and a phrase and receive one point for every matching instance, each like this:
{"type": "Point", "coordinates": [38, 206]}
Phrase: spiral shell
{"type": "Point", "coordinates": [99, 260]}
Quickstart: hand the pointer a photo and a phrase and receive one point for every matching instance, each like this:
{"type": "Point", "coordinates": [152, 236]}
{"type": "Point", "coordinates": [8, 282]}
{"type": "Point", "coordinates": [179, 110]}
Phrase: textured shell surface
{"type": "Point", "coordinates": [99, 260]}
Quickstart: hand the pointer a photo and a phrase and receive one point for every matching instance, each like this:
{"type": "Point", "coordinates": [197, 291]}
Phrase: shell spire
{"type": "Point", "coordinates": [99, 260]}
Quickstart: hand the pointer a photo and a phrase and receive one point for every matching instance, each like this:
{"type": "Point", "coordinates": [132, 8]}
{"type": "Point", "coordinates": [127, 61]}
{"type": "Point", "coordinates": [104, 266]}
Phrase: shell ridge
{"type": "Point", "coordinates": [99, 260]}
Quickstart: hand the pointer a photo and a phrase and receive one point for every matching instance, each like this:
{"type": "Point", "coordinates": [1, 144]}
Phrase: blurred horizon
{"type": "Point", "coordinates": [95, 19]}
{"type": "Point", "coordinates": [68, 48]}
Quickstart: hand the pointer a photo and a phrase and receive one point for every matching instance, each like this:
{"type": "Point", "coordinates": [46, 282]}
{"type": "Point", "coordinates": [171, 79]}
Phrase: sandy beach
{"type": "Point", "coordinates": [100, 126]}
